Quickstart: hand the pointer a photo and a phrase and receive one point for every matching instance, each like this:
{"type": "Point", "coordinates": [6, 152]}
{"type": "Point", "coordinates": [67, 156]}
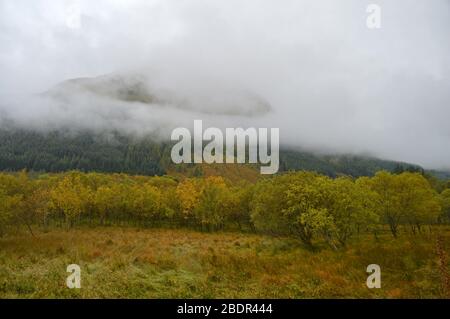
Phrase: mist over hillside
{"type": "Point", "coordinates": [139, 88]}
{"type": "Point", "coordinates": [130, 103]}
{"type": "Point", "coordinates": [145, 67]}
{"type": "Point", "coordinates": [122, 123]}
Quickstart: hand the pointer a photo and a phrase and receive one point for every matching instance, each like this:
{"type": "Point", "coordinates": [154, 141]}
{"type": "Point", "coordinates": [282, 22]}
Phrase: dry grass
{"type": "Point", "coordinates": [233, 172]}
{"type": "Point", "coordinates": [161, 263]}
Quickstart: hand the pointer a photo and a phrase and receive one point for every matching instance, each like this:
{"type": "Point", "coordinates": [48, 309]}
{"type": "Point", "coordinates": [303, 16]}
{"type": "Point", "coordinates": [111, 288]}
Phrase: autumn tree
{"type": "Point", "coordinates": [145, 203]}
{"type": "Point", "coordinates": [418, 202]}
{"type": "Point", "coordinates": [311, 206]}
{"type": "Point", "coordinates": [70, 198]}
{"type": "Point", "coordinates": [387, 200]}
{"type": "Point", "coordinates": [445, 202]}
{"type": "Point", "coordinates": [351, 205]}
{"type": "Point", "coordinates": [308, 200]}
{"type": "Point", "coordinates": [239, 202]}
{"type": "Point", "coordinates": [188, 193]}
{"type": "Point", "coordinates": [108, 202]}
{"type": "Point", "coordinates": [407, 198]}
{"type": "Point", "coordinates": [268, 203]}
{"type": "Point", "coordinates": [8, 206]}
{"type": "Point", "coordinates": [215, 203]}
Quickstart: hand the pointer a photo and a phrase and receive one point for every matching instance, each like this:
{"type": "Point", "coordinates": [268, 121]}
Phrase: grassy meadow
{"type": "Point", "coordinates": [127, 262]}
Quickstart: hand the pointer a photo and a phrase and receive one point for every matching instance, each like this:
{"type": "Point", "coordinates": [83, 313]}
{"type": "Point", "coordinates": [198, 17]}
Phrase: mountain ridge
{"type": "Point", "coordinates": [139, 88]}
{"type": "Point", "coordinates": [58, 151]}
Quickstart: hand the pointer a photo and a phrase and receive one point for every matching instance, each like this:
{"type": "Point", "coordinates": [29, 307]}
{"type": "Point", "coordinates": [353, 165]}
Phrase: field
{"type": "Point", "coordinates": [166, 263]}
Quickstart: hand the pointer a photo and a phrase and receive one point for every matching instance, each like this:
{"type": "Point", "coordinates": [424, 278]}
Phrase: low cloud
{"type": "Point", "coordinates": [311, 68]}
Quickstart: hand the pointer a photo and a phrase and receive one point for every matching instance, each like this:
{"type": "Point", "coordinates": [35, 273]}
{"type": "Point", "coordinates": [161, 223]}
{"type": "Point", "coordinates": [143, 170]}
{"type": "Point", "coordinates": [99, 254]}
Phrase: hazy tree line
{"type": "Point", "coordinates": [59, 151]}
{"type": "Point", "coordinates": [305, 205]}
{"type": "Point", "coordinates": [63, 151]}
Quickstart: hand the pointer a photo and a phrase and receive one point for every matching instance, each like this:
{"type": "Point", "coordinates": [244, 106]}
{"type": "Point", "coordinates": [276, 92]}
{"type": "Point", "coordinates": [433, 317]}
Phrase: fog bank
{"type": "Point", "coordinates": [310, 67]}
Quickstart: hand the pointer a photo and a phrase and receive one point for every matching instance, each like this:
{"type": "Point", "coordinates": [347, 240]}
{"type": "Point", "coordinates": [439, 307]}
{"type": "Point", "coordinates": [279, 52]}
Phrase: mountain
{"type": "Point", "coordinates": [58, 151]}
{"type": "Point", "coordinates": [440, 174]}
{"type": "Point", "coordinates": [221, 99]}
{"type": "Point", "coordinates": [342, 164]}
{"type": "Point", "coordinates": [59, 133]}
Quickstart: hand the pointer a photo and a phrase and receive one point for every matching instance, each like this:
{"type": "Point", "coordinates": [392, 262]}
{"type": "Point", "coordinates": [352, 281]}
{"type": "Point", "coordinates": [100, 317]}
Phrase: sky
{"type": "Point", "coordinates": [332, 83]}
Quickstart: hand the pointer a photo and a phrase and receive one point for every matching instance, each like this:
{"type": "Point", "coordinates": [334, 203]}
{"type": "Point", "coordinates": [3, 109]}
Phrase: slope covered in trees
{"type": "Point", "coordinates": [62, 151]}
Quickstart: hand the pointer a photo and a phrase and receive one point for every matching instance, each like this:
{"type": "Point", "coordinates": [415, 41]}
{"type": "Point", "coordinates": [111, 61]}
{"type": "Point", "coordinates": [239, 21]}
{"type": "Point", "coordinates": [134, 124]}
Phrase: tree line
{"type": "Point", "coordinates": [305, 205]}
{"type": "Point", "coordinates": [59, 151]}
{"type": "Point", "coordinates": [113, 152]}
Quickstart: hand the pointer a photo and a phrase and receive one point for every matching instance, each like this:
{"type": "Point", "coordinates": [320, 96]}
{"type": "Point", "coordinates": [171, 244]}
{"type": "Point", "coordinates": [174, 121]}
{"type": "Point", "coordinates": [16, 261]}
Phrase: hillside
{"type": "Point", "coordinates": [149, 91]}
{"type": "Point", "coordinates": [108, 99]}
{"type": "Point", "coordinates": [61, 151]}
